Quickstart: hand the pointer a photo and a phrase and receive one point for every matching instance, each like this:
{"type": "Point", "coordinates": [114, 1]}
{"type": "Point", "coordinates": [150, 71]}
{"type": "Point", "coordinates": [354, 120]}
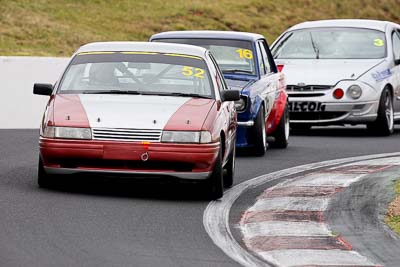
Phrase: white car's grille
{"type": "Point", "coordinates": [132, 135]}
{"type": "Point", "coordinates": [308, 88]}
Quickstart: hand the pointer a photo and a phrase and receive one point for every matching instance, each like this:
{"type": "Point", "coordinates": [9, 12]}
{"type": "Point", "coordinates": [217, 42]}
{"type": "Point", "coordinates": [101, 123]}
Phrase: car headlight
{"type": "Point", "coordinates": [354, 91]}
{"type": "Point", "coordinates": [67, 133]}
{"type": "Point", "coordinates": [196, 137]}
{"type": "Point", "coordinates": [241, 103]}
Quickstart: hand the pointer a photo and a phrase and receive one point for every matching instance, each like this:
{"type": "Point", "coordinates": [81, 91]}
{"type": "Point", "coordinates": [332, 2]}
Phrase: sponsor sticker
{"type": "Point", "coordinates": [381, 75]}
{"type": "Point", "coordinates": [306, 107]}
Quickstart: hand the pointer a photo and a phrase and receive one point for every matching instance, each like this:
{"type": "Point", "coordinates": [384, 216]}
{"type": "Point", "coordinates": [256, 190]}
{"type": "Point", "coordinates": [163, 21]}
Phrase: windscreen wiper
{"type": "Point", "coordinates": [316, 50]}
{"type": "Point", "coordinates": [114, 92]}
{"type": "Point", "coordinates": [180, 94]}
{"type": "Point", "coordinates": [237, 71]}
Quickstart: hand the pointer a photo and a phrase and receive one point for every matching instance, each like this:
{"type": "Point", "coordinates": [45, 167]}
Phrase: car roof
{"type": "Point", "coordinates": [351, 23]}
{"type": "Point", "coordinates": [230, 35]}
{"type": "Point", "coordinates": [144, 47]}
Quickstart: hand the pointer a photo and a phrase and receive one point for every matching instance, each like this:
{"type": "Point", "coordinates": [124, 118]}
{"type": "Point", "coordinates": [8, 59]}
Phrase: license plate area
{"type": "Point", "coordinates": [306, 106]}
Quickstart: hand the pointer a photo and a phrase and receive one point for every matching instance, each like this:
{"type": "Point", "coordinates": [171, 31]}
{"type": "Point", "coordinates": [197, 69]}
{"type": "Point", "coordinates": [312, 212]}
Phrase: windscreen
{"type": "Point", "coordinates": [232, 56]}
{"type": "Point", "coordinates": [137, 73]}
{"type": "Point", "coordinates": [331, 43]}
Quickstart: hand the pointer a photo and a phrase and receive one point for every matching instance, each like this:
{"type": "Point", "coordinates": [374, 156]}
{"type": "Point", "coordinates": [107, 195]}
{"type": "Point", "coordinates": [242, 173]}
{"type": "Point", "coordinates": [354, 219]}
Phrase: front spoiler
{"type": "Point", "coordinates": [354, 113]}
{"type": "Point", "coordinates": [180, 175]}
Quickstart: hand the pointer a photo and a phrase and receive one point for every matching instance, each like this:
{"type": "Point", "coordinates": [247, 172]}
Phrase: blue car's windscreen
{"type": "Point", "coordinates": [137, 73]}
{"type": "Point", "coordinates": [331, 43]}
{"type": "Point", "coordinates": [232, 56]}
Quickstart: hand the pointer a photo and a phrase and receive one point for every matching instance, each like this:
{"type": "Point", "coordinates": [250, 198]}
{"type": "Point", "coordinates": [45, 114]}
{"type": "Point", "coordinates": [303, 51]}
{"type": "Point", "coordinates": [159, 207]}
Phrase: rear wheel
{"type": "Point", "coordinates": [282, 131]}
{"type": "Point", "coordinates": [230, 169]}
{"type": "Point", "coordinates": [260, 134]}
{"type": "Point", "coordinates": [215, 181]}
{"type": "Point", "coordinates": [384, 124]}
{"type": "Point", "coordinates": [44, 179]}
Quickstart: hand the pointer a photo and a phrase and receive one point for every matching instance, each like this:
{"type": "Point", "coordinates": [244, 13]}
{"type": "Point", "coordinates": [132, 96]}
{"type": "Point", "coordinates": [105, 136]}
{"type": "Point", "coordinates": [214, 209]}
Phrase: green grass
{"type": "Point", "coordinates": [58, 27]}
{"type": "Point", "coordinates": [392, 220]}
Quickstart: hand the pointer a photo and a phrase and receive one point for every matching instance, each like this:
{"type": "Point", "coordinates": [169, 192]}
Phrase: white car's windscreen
{"type": "Point", "coordinates": [331, 43]}
{"type": "Point", "coordinates": [137, 73]}
{"type": "Point", "coordinates": [232, 56]}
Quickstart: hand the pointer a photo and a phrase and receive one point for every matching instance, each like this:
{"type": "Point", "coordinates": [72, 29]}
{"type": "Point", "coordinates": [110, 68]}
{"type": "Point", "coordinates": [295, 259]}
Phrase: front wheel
{"type": "Point", "coordinates": [260, 134]}
{"type": "Point", "coordinates": [282, 131]}
{"type": "Point", "coordinates": [384, 124]}
{"type": "Point", "coordinates": [230, 169]}
{"type": "Point", "coordinates": [215, 181]}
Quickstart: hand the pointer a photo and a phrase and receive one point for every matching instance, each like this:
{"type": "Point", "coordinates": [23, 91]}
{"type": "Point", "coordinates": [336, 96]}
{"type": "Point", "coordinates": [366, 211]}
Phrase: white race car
{"type": "Point", "coordinates": [342, 72]}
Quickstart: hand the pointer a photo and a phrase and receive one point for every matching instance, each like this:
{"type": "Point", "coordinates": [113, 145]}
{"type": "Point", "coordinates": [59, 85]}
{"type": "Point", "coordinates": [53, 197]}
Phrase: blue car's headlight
{"type": "Point", "coordinates": [241, 104]}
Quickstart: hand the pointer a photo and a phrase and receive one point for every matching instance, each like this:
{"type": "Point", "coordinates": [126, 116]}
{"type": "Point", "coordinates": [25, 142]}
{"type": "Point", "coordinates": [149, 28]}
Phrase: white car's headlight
{"type": "Point", "coordinates": [196, 137]}
{"type": "Point", "coordinates": [67, 132]}
{"type": "Point", "coordinates": [354, 91]}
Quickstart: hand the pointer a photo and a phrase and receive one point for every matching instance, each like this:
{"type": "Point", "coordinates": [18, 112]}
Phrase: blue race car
{"type": "Point", "coordinates": [247, 64]}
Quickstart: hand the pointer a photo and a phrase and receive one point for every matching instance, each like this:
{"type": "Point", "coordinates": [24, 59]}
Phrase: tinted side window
{"type": "Point", "coordinates": [265, 57]}
{"type": "Point", "coordinates": [396, 45]}
{"type": "Point", "coordinates": [219, 78]}
{"type": "Point", "coordinates": [260, 59]}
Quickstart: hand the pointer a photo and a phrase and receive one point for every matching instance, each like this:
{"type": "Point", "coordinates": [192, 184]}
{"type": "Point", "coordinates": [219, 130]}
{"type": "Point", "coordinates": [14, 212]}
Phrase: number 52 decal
{"type": "Point", "coordinates": [191, 71]}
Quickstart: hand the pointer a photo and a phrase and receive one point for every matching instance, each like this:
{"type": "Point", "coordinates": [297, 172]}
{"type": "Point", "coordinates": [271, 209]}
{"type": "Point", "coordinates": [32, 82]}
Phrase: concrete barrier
{"type": "Point", "coordinates": [19, 107]}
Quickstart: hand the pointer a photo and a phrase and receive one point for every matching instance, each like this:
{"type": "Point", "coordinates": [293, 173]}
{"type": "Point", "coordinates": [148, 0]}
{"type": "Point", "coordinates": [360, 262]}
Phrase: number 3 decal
{"type": "Point", "coordinates": [244, 53]}
{"type": "Point", "coordinates": [190, 71]}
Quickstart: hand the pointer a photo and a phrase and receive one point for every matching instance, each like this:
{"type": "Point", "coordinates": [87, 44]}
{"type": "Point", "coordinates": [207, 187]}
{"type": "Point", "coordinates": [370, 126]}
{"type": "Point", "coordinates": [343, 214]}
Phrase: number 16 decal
{"type": "Point", "coordinates": [244, 53]}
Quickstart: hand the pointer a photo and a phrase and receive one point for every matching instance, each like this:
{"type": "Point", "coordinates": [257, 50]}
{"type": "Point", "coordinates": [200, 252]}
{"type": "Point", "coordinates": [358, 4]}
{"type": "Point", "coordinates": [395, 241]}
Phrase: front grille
{"type": "Point", "coordinates": [307, 88]}
{"type": "Point", "coordinates": [305, 94]}
{"type": "Point", "coordinates": [132, 135]}
{"type": "Point", "coordinates": [315, 116]}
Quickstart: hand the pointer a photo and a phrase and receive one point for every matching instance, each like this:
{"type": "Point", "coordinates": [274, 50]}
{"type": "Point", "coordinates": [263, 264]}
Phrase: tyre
{"type": "Point", "coordinates": [259, 134]}
{"type": "Point", "coordinates": [230, 169]}
{"type": "Point", "coordinates": [282, 131]}
{"type": "Point", "coordinates": [384, 123]}
{"type": "Point", "coordinates": [43, 179]}
{"type": "Point", "coordinates": [215, 181]}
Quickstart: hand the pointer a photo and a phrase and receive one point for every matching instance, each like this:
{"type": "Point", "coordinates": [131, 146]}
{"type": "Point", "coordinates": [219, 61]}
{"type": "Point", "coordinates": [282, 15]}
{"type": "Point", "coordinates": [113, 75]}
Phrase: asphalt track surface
{"type": "Point", "coordinates": [121, 223]}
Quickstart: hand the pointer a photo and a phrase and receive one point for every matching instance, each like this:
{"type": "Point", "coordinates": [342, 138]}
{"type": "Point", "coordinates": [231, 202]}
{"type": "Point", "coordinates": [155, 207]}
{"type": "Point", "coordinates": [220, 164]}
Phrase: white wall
{"type": "Point", "coordinates": [19, 108]}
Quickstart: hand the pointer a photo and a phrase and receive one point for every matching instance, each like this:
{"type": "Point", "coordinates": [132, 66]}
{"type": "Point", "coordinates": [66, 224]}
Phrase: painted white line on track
{"type": "Point", "coordinates": [394, 161]}
{"type": "Point", "coordinates": [291, 203]}
{"type": "Point", "coordinates": [325, 179]}
{"type": "Point", "coordinates": [279, 228]}
{"type": "Point", "coordinates": [216, 214]}
{"type": "Point", "coordinates": [312, 257]}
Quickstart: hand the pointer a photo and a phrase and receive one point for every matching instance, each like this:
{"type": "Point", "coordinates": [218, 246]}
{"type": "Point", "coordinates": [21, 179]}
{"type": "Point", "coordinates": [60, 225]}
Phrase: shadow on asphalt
{"type": "Point", "coordinates": [340, 131]}
{"type": "Point", "coordinates": [153, 188]}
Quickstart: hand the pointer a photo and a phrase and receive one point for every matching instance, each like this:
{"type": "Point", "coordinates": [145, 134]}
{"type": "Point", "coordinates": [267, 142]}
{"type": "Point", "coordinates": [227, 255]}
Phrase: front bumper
{"type": "Point", "coordinates": [338, 113]}
{"type": "Point", "coordinates": [249, 123]}
{"type": "Point", "coordinates": [183, 161]}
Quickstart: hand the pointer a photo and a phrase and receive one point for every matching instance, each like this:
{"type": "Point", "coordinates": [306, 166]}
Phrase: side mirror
{"type": "Point", "coordinates": [42, 89]}
{"type": "Point", "coordinates": [397, 61]}
{"type": "Point", "coordinates": [230, 95]}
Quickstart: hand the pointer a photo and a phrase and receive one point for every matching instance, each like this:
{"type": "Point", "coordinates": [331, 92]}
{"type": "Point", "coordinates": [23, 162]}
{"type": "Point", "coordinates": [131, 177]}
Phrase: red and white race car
{"type": "Point", "coordinates": [142, 109]}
